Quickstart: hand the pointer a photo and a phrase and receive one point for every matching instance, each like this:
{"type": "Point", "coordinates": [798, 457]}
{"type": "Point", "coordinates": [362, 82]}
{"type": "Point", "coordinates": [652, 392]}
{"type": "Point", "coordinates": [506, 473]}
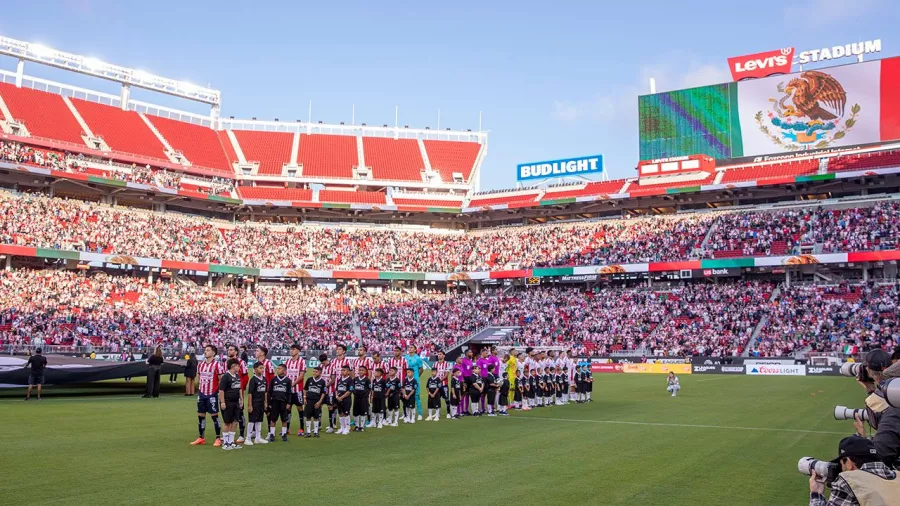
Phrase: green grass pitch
{"type": "Point", "coordinates": [731, 440]}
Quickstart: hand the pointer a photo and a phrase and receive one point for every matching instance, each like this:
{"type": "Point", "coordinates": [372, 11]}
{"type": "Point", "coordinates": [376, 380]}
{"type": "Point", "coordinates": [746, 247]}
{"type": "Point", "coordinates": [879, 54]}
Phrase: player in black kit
{"type": "Point", "coordinates": [434, 385]}
{"type": "Point", "coordinates": [455, 393]}
{"type": "Point", "coordinates": [490, 391]}
{"type": "Point", "coordinates": [476, 387]}
{"type": "Point", "coordinates": [393, 396]}
{"type": "Point", "coordinates": [342, 399]}
{"type": "Point", "coordinates": [279, 399]}
{"type": "Point", "coordinates": [314, 397]}
{"type": "Point", "coordinates": [379, 390]}
{"type": "Point", "coordinates": [362, 389]}
{"type": "Point", "coordinates": [504, 394]}
{"type": "Point", "coordinates": [256, 389]}
{"type": "Point", "coordinates": [410, 387]}
{"type": "Point", "coordinates": [232, 401]}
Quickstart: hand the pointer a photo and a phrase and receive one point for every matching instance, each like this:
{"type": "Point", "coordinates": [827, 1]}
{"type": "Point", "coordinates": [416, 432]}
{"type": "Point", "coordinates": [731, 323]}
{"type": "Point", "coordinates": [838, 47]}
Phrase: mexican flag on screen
{"type": "Point", "coordinates": [817, 109]}
{"type": "Point", "coordinates": [851, 349]}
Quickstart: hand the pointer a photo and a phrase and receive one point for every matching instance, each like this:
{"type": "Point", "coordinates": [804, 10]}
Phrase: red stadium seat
{"type": "Point", "coordinates": [325, 155]}
{"type": "Point", "coordinates": [447, 157]}
{"type": "Point", "coordinates": [200, 144]}
{"type": "Point", "coordinates": [393, 159]}
{"type": "Point", "coordinates": [123, 131]}
{"type": "Point", "coordinates": [275, 193]}
{"type": "Point", "coordinates": [351, 197]}
{"type": "Point", "coordinates": [271, 149]}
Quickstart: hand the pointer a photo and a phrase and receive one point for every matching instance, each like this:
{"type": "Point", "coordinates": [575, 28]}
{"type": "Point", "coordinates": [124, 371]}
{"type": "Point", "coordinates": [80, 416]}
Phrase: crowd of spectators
{"type": "Point", "coordinates": [828, 320]}
{"type": "Point", "coordinates": [40, 221]}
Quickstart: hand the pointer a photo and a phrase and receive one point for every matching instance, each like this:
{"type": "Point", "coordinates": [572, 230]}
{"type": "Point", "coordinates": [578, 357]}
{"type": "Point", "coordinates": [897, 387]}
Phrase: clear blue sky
{"type": "Point", "coordinates": [553, 79]}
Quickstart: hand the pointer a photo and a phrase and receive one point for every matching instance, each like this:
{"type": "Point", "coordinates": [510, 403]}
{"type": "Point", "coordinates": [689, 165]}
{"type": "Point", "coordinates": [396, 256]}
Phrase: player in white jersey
{"type": "Point", "coordinates": [442, 368]}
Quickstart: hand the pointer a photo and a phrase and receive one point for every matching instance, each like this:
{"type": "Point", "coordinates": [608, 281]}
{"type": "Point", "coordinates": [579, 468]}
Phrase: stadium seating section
{"type": "Point", "coordinates": [770, 171]}
{"type": "Point", "coordinates": [448, 157]}
{"type": "Point", "coordinates": [200, 145]}
{"type": "Point", "coordinates": [275, 193]}
{"type": "Point", "coordinates": [44, 114]}
{"type": "Point", "coordinates": [332, 156]}
{"type": "Point", "coordinates": [123, 131]}
{"type": "Point", "coordinates": [393, 159]}
{"type": "Point", "coordinates": [351, 197]}
{"type": "Point", "coordinates": [271, 149]}
{"type": "Point", "coordinates": [590, 189]}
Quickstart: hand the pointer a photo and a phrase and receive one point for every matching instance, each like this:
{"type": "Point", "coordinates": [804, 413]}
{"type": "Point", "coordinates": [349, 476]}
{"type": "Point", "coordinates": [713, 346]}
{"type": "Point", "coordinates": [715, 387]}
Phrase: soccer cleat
{"type": "Point", "coordinates": [300, 432]}
{"type": "Point", "coordinates": [307, 435]}
{"type": "Point", "coordinates": [226, 447]}
{"type": "Point", "coordinates": [261, 441]}
{"type": "Point", "coordinates": [370, 425]}
{"type": "Point", "coordinates": [235, 446]}
{"type": "Point", "coordinates": [218, 442]}
{"type": "Point", "coordinates": [329, 430]}
{"type": "Point", "coordinates": [284, 438]}
{"type": "Point", "coordinates": [239, 441]}
{"type": "Point", "coordinates": [380, 425]}
{"type": "Point", "coordinates": [449, 416]}
{"type": "Point", "coordinates": [271, 438]}
{"type": "Point", "coordinates": [316, 434]}
{"type": "Point", "coordinates": [248, 442]}
{"type": "Point", "coordinates": [420, 418]}
{"type": "Point", "coordinates": [199, 441]}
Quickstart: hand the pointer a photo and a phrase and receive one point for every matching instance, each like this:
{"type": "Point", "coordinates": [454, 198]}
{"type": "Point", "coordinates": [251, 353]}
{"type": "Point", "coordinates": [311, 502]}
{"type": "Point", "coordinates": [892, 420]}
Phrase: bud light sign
{"type": "Point", "coordinates": [560, 168]}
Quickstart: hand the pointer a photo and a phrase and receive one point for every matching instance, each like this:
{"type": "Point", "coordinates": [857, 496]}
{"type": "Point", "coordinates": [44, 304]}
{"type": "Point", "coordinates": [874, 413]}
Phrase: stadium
{"type": "Point", "coordinates": [676, 336]}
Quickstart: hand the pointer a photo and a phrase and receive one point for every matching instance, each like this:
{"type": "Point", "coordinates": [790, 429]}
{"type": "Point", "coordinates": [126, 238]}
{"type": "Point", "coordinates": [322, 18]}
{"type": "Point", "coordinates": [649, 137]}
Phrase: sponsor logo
{"type": "Point", "coordinates": [733, 368]}
{"type": "Point", "coordinates": [704, 368]}
{"type": "Point", "coordinates": [835, 52]}
{"type": "Point", "coordinates": [560, 168]}
{"type": "Point", "coordinates": [578, 278]}
{"type": "Point", "coordinates": [776, 370]}
{"type": "Point", "coordinates": [762, 64]}
{"type": "Point", "coordinates": [658, 368]}
{"type": "Point", "coordinates": [822, 370]}
{"type": "Point", "coordinates": [809, 112]}
{"type": "Point", "coordinates": [605, 368]}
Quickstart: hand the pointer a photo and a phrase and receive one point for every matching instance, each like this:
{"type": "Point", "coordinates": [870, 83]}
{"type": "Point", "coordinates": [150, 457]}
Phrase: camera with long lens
{"type": "Point", "coordinates": [845, 413]}
{"type": "Point", "coordinates": [856, 370]}
{"type": "Point", "coordinates": [891, 390]}
{"type": "Point", "coordinates": [829, 471]}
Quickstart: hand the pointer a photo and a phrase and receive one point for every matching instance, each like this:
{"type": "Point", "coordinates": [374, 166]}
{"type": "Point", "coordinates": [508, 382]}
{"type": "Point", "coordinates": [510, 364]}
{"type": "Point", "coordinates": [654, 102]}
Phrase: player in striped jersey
{"type": "Point", "coordinates": [234, 353]}
{"type": "Point", "coordinates": [326, 365]}
{"type": "Point", "coordinates": [399, 362]}
{"type": "Point", "coordinates": [336, 366]}
{"type": "Point", "coordinates": [208, 374]}
{"type": "Point", "coordinates": [442, 368]}
{"type": "Point", "coordinates": [296, 371]}
{"type": "Point", "coordinates": [262, 354]}
{"type": "Point", "coordinates": [363, 361]}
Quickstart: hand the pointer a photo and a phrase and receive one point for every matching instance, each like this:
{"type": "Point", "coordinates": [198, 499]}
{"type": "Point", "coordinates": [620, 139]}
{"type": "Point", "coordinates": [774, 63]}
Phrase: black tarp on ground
{"type": "Point", "coordinates": [62, 370]}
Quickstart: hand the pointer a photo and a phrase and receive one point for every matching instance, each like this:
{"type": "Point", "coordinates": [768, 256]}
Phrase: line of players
{"type": "Point", "coordinates": [373, 395]}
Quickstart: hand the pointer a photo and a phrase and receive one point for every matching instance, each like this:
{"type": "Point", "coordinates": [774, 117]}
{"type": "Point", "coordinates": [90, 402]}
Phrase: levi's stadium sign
{"type": "Point", "coordinates": [581, 166]}
{"type": "Point", "coordinates": [780, 61]}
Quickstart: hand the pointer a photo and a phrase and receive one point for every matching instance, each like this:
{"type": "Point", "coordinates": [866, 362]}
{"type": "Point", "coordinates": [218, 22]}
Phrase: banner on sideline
{"type": "Point", "coordinates": [718, 369]}
{"type": "Point", "coordinates": [607, 368]}
{"type": "Point", "coordinates": [823, 370]}
{"type": "Point", "coordinates": [776, 370]}
{"type": "Point", "coordinates": [657, 368]}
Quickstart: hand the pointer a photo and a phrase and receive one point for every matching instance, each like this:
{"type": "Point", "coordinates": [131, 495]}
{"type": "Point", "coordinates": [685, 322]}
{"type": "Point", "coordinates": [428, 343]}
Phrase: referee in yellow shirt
{"type": "Point", "coordinates": [512, 364]}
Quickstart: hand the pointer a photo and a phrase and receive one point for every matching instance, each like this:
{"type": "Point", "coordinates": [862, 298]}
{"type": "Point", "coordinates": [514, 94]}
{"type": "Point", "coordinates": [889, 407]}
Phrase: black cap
{"type": "Point", "coordinates": [856, 446]}
{"type": "Point", "coordinates": [878, 360]}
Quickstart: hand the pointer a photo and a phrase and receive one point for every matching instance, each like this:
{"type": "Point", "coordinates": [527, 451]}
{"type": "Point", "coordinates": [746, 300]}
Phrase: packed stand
{"type": "Point", "coordinates": [830, 319]}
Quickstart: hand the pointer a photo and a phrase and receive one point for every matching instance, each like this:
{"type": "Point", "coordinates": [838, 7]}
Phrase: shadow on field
{"type": "Point", "coordinates": [97, 389]}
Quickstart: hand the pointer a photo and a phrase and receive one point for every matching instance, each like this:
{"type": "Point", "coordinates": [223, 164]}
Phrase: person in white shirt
{"type": "Point", "coordinates": [674, 384]}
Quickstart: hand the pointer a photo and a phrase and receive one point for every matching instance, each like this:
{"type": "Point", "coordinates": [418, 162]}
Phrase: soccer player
{"type": "Point", "coordinates": [315, 395]}
{"type": "Point", "coordinates": [443, 369]}
{"type": "Point", "coordinates": [394, 388]}
{"type": "Point", "coordinates": [456, 385]}
{"type": "Point", "coordinates": [512, 366]}
{"type": "Point", "coordinates": [262, 354]}
{"type": "Point", "coordinates": [504, 394]}
{"type": "Point", "coordinates": [208, 373]}
{"type": "Point", "coordinates": [256, 405]}
{"type": "Point", "coordinates": [589, 386]}
{"type": "Point", "coordinates": [233, 353]}
{"type": "Point", "coordinates": [549, 385]}
{"type": "Point", "coordinates": [279, 402]}
{"type": "Point", "coordinates": [336, 366]}
{"type": "Point", "coordinates": [379, 389]}
{"type": "Point", "coordinates": [414, 363]}
{"type": "Point", "coordinates": [410, 390]}
{"type": "Point", "coordinates": [673, 384]}
{"type": "Point", "coordinates": [344, 390]}
{"type": "Point", "coordinates": [519, 397]}
{"type": "Point", "coordinates": [362, 391]}
{"type": "Point", "coordinates": [368, 363]}
{"type": "Point", "coordinates": [490, 390]}
{"type": "Point", "coordinates": [232, 401]}
{"type": "Point", "coordinates": [296, 371]}
{"type": "Point", "coordinates": [579, 384]}
{"type": "Point", "coordinates": [435, 388]}
{"type": "Point", "coordinates": [476, 388]}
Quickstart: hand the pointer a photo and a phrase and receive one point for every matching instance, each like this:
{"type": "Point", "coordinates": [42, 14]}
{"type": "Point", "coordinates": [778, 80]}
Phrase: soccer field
{"type": "Point", "coordinates": [724, 440]}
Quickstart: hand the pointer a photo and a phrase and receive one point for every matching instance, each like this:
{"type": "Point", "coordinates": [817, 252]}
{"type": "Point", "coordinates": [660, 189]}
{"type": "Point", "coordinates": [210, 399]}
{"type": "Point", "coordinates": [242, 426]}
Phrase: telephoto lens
{"type": "Point", "coordinates": [827, 470]}
{"type": "Point", "coordinates": [845, 413]}
{"type": "Point", "coordinates": [851, 369]}
{"type": "Point", "coordinates": [891, 389]}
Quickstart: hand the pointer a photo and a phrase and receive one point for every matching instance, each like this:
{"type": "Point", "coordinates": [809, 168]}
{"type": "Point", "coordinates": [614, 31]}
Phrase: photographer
{"type": "Point", "coordinates": [884, 419]}
{"type": "Point", "coordinates": [864, 480]}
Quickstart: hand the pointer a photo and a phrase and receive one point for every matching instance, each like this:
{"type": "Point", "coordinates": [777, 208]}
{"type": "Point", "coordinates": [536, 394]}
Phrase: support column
{"type": "Point", "coordinates": [8, 263]}
{"type": "Point", "coordinates": [865, 271]}
{"type": "Point", "coordinates": [125, 96]}
{"type": "Point", "coordinates": [208, 280]}
{"type": "Point", "coordinates": [150, 275]}
{"type": "Point", "coordinates": [20, 72]}
{"type": "Point", "coordinates": [787, 278]}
